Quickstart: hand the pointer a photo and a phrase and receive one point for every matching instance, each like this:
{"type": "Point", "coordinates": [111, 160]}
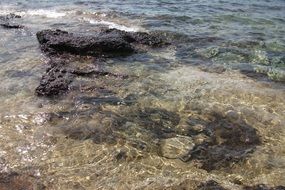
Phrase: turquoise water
{"type": "Point", "coordinates": [225, 67]}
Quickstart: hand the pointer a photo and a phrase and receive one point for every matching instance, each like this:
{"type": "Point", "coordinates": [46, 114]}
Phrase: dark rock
{"type": "Point", "coordinates": [9, 17]}
{"type": "Point", "coordinates": [210, 185]}
{"type": "Point", "coordinates": [144, 38]}
{"type": "Point", "coordinates": [54, 82]}
{"type": "Point", "coordinates": [5, 21]}
{"type": "Point", "coordinates": [60, 74]}
{"type": "Point", "coordinates": [11, 26]}
{"type": "Point", "coordinates": [108, 42]}
{"type": "Point", "coordinates": [226, 143]}
{"type": "Point", "coordinates": [122, 155]}
{"type": "Point", "coordinates": [58, 42]}
{"type": "Point", "coordinates": [18, 181]}
{"type": "Point", "coordinates": [263, 187]}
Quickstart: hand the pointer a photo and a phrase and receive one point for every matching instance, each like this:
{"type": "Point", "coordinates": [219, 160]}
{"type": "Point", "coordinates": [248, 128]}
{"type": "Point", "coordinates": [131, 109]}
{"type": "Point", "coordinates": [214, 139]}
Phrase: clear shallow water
{"type": "Point", "coordinates": [226, 61]}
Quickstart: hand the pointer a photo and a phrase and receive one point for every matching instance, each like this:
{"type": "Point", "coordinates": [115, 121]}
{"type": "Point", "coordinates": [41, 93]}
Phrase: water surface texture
{"type": "Point", "coordinates": [209, 107]}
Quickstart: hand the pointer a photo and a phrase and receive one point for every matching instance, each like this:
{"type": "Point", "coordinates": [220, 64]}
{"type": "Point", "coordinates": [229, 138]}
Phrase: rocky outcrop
{"type": "Point", "coordinates": [153, 40]}
{"type": "Point", "coordinates": [9, 17]}
{"type": "Point", "coordinates": [60, 74]}
{"type": "Point", "coordinates": [55, 81]}
{"type": "Point", "coordinates": [225, 142]}
{"type": "Point", "coordinates": [6, 21]}
{"type": "Point", "coordinates": [106, 43]}
{"type": "Point", "coordinates": [58, 44]}
{"type": "Point", "coordinates": [11, 26]}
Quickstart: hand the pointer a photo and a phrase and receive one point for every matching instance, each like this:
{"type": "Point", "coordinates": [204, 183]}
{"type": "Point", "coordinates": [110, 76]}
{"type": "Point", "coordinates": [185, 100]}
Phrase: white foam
{"type": "Point", "coordinates": [6, 9]}
{"type": "Point", "coordinates": [114, 25]}
{"type": "Point", "coordinates": [45, 13]}
{"type": "Point", "coordinates": [35, 12]}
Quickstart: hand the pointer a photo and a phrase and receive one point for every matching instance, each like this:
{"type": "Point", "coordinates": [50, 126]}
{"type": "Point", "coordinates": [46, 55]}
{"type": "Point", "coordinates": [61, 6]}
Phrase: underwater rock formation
{"type": "Point", "coordinates": [11, 26]}
{"type": "Point", "coordinates": [18, 181]}
{"type": "Point", "coordinates": [263, 187]}
{"type": "Point", "coordinates": [225, 142]}
{"type": "Point", "coordinates": [58, 44]}
{"type": "Point", "coordinates": [55, 81]}
{"type": "Point", "coordinates": [60, 74]}
{"type": "Point", "coordinates": [210, 185]}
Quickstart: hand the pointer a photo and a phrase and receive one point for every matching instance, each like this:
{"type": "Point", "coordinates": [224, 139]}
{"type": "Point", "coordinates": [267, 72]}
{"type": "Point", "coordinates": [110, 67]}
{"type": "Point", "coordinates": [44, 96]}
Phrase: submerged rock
{"type": "Point", "coordinates": [18, 181]}
{"type": "Point", "coordinates": [176, 147]}
{"type": "Point", "coordinates": [54, 82]}
{"type": "Point", "coordinates": [227, 142]}
{"type": "Point", "coordinates": [60, 74]}
{"type": "Point", "coordinates": [11, 26]}
{"type": "Point", "coordinates": [263, 187]}
{"type": "Point", "coordinates": [105, 43]}
{"type": "Point", "coordinates": [210, 185]}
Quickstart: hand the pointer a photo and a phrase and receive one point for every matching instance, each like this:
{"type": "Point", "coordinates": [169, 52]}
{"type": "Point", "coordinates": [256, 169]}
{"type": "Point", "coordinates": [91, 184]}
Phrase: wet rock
{"type": "Point", "coordinates": [263, 187]}
{"type": "Point", "coordinates": [144, 38]}
{"type": "Point", "coordinates": [210, 185]}
{"type": "Point", "coordinates": [108, 42]}
{"type": "Point", "coordinates": [5, 21]}
{"type": "Point", "coordinates": [11, 26]}
{"type": "Point", "coordinates": [58, 42]}
{"type": "Point", "coordinates": [227, 142]}
{"type": "Point", "coordinates": [176, 147]}
{"type": "Point", "coordinates": [61, 73]}
{"type": "Point", "coordinates": [54, 82]}
{"type": "Point", "coordinates": [9, 17]}
{"type": "Point", "coordinates": [18, 181]}
{"type": "Point", "coordinates": [60, 45]}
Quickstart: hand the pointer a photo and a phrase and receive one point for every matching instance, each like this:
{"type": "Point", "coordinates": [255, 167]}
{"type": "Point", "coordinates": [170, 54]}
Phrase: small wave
{"type": "Point", "coordinates": [6, 9]}
{"type": "Point", "coordinates": [46, 13]}
{"type": "Point", "coordinates": [114, 25]}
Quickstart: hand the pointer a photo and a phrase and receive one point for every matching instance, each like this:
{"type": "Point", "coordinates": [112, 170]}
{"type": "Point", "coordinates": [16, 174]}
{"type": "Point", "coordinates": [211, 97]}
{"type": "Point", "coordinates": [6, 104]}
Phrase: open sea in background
{"type": "Point", "coordinates": [225, 66]}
